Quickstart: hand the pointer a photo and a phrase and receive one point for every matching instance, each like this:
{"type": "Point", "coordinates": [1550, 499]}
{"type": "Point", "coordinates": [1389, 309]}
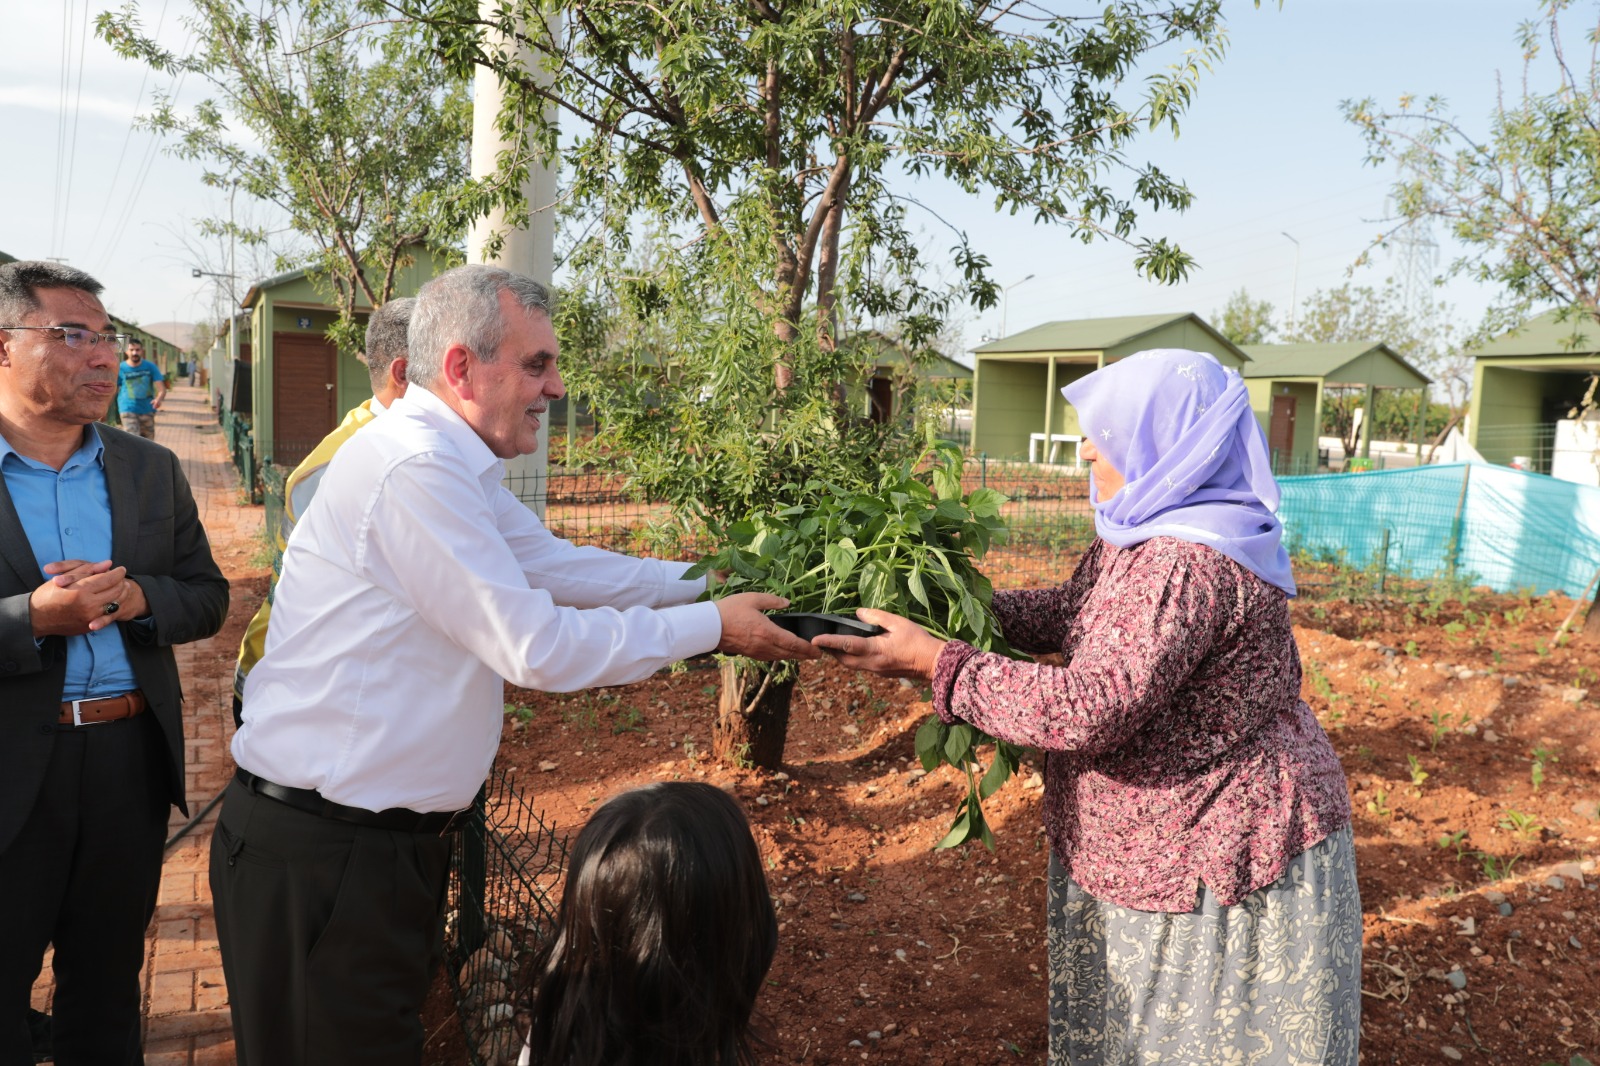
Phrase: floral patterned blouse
{"type": "Point", "coordinates": [1180, 751]}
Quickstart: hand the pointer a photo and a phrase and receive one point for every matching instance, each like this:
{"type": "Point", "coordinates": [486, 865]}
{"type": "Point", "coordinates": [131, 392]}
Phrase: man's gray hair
{"type": "Point", "coordinates": [19, 280]}
{"type": "Point", "coordinates": [386, 337]}
{"type": "Point", "coordinates": [462, 306]}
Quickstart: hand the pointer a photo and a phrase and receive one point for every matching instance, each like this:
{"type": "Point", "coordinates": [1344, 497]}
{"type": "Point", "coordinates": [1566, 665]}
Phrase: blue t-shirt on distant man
{"type": "Point", "coordinates": [136, 388]}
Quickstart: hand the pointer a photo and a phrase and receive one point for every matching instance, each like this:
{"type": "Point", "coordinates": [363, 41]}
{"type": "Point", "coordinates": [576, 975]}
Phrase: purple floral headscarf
{"type": "Point", "coordinates": [1178, 426]}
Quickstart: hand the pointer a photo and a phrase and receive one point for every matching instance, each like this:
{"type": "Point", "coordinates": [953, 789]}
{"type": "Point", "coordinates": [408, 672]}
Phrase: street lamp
{"type": "Point", "coordinates": [1294, 286]}
{"type": "Point", "coordinates": [1005, 301]}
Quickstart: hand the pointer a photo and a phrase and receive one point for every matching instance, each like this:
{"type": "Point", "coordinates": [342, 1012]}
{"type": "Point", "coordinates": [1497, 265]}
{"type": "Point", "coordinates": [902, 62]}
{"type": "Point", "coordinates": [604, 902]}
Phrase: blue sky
{"type": "Point", "coordinates": [1264, 150]}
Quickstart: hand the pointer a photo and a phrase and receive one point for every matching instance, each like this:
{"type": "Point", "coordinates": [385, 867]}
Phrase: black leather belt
{"type": "Point", "coordinates": [397, 819]}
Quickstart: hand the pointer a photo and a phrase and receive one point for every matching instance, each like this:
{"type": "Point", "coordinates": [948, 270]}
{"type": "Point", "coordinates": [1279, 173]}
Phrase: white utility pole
{"type": "Point", "coordinates": [529, 251]}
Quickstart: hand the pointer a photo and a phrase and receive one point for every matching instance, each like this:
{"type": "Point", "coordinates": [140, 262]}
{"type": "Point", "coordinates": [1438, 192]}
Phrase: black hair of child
{"type": "Point", "coordinates": [664, 935]}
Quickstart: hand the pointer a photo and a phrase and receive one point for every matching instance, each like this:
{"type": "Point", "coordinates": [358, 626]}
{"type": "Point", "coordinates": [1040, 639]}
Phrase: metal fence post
{"type": "Point", "coordinates": [474, 929]}
{"type": "Point", "coordinates": [1383, 562]}
{"type": "Point", "coordinates": [1454, 546]}
{"type": "Point", "coordinates": [983, 467]}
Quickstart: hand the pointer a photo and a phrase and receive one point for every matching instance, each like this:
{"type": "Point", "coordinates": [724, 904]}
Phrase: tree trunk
{"type": "Point", "coordinates": [752, 716]}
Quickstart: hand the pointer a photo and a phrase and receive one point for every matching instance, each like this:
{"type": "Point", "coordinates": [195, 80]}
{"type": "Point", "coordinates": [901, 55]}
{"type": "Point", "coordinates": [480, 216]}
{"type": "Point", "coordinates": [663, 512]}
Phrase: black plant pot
{"type": "Point", "coordinates": [805, 626]}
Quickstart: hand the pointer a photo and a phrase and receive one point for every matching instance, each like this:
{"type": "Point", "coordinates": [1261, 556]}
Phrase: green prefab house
{"type": "Point", "coordinates": [1526, 382]}
{"type": "Point", "coordinates": [890, 376]}
{"type": "Point", "coordinates": [1017, 409]}
{"type": "Point", "coordinates": [300, 384]}
{"type": "Point", "coordinates": [1288, 383]}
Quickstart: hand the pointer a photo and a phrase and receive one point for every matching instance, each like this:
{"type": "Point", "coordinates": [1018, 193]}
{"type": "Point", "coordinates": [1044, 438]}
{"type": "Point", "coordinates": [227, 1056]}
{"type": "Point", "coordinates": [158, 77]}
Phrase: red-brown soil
{"type": "Point", "coordinates": [891, 952]}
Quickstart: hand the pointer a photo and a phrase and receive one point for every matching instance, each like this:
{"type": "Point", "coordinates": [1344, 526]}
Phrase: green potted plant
{"type": "Point", "coordinates": [910, 546]}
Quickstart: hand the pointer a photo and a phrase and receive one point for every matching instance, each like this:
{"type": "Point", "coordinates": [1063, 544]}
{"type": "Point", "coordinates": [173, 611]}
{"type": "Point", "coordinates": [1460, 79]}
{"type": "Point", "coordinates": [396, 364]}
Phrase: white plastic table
{"type": "Point", "coordinates": [1056, 440]}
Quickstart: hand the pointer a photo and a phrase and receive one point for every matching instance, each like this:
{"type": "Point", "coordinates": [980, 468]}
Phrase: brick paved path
{"type": "Point", "coordinates": [186, 1002]}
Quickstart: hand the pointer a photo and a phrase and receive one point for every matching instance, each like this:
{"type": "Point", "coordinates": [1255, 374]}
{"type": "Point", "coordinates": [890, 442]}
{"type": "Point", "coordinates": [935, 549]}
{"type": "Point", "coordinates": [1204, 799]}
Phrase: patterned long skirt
{"type": "Point", "coordinates": [1274, 980]}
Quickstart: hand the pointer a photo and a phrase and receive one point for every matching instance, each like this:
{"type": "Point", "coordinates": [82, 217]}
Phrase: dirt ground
{"type": "Point", "coordinates": [894, 953]}
{"type": "Point", "coordinates": [1468, 733]}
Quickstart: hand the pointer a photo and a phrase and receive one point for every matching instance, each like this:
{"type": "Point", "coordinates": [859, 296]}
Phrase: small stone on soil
{"type": "Point", "coordinates": [1450, 1053]}
{"type": "Point", "coordinates": [1505, 910]}
{"type": "Point", "coordinates": [1457, 979]}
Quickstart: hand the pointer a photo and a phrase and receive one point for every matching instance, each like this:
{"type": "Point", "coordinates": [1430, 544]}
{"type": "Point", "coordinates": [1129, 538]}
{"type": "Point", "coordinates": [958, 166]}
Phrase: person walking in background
{"type": "Point", "coordinates": [385, 357]}
{"type": "Point", "coordinates": [413, 584]}
{"type": "Point", "coordinates": [140, 389]}
{"type": "Point", "coordinates": [1203, 905]}
{"type": "Point", "coordinates": [104, 567]}
{"type": "Point", "coordinates": [664, 936]}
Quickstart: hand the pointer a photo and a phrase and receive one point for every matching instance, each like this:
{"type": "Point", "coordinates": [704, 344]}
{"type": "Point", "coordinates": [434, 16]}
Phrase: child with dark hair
{"type": "Point", "coordinates": [664, 935]}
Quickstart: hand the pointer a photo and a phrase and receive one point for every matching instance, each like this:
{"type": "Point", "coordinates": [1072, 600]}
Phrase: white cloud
{"type": "Point", "coordinates": [40, 98]}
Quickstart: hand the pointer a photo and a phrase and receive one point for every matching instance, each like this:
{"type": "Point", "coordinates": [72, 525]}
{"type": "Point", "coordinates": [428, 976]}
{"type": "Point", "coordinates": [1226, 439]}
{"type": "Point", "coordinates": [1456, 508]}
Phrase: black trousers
{"type": "Point", "coordinates": [330, 933]}
{"type": "Point", "coordinates": [83, 875]}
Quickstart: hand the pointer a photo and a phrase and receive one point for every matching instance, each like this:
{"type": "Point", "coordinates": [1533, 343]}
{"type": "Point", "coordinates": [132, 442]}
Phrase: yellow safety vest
{"type": "Point", "coordinates": [297, 493]}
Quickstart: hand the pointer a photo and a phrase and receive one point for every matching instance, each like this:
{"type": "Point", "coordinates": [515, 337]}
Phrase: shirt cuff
{"type": "Point", "coordinates": [675, 590]}
{"type": "Point", "coordinates": [945, 671]}
{"type": "Point", "coordinates": [696, 629]}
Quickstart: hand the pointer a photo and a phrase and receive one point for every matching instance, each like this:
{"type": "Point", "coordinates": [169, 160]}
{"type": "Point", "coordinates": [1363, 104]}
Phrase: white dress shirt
{"type": "Point", "coordinates": [412, 585]}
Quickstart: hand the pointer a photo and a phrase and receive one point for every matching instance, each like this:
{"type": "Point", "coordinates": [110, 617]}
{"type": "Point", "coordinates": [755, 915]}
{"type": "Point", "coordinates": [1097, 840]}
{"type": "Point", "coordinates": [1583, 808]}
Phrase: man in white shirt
{"type": "Point", "coordinates": [413, 584]}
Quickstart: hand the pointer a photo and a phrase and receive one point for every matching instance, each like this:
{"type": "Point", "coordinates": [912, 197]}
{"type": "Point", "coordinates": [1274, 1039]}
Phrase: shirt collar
{"type": "Point", "coordinates": [93, 449]}
{"type": "Point", "coordinates": [444, 418]}
{"type": "Point", "coordinates": [375, 406]}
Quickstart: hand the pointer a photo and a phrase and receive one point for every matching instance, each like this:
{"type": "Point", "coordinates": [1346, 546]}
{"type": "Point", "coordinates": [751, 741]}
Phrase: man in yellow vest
{"type": "Point", "coordinates": [386, 362]}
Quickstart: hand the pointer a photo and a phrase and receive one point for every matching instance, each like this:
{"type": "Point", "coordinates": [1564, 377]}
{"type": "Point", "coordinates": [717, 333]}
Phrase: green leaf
{"type": "Point", "coordinates": [919, 592]}
{"type": "Point", "coordinates": [876, 586]}
{"type": "Point", "coordinates": [985, 503]}
{"type": "Point", "coordinates": [1000, 771]}
{"type": "Point", "coordinates": [958, 744]}
{"type": "Point", "coordinates": [929, 742]}
{"type": "Point", "coordinates": [960, 832]}
{"type": "Point", "coordinates": [841, 556]}
{"type": "Point", "coordinates": [741, 563]}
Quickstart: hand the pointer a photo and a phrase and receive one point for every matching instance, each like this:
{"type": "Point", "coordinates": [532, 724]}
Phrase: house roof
{"type": "Point", "coordinates": [253, 293]}
{"type": "Point", "coordinates": [1317, 360]}
{"type": "Point", "coordinates": [1096, 334]}
{"type": "Point", "coordinates": [1080, 334]}
{"type": "Point", "coordinates": [891, 353]}
{"type": "Point", "coordinates": [1545, 335]}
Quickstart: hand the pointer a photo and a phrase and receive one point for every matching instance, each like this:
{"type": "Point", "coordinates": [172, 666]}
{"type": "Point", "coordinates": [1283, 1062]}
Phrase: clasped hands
{"type": "Point", "coordinates": [82, 597]}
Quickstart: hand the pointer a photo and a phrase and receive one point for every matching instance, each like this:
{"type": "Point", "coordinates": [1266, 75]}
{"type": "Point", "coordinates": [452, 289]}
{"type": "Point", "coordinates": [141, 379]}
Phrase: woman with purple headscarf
{"type": "Point", "coordinates": [1202, 891]}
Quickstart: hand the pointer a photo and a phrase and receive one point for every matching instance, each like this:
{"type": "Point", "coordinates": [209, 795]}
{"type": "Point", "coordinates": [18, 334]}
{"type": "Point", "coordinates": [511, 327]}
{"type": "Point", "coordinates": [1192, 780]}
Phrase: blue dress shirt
{"type": "Point", "coordinates": [66, 514]}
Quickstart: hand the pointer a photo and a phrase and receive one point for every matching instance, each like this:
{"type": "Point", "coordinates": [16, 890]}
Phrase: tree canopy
{"type": "Point", "coordinates": [741, 181]}
{"type": "Point", "coordinates": [343, 123]}
{"type": "Point", "coordinates": [1520, 194]}
{"type": "Point", "coordinates": [1245, 321]}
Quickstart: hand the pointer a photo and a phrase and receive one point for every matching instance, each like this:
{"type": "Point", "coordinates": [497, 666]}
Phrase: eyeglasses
{"type": "Point", "coordinates": [79, 338]}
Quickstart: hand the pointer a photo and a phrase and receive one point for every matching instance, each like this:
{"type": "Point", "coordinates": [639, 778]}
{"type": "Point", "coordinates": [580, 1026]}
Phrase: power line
{"type": "Point", "coordinates": [116, 172]}
{"type": "Point", "coordinates": [77, 112]}
{"type": "Point", "coordinates": [121, 225]}
{"type": "Point", "coordinates": [61, 122]}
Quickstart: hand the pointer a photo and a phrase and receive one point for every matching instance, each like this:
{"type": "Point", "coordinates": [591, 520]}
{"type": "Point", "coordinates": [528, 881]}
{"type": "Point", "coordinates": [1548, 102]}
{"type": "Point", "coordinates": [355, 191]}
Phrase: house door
{"type": "Point", "coordinates": [880, 395]}
{"type": "Point", "coordinates": [302, 394]}
{"type": "Point", "coordinates": [1280, 438]}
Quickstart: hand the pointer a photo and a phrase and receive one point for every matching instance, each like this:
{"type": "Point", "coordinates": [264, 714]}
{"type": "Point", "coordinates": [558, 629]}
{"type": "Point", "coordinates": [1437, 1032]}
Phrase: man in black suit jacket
{"type": "Point", "coordinates": [91, 737]}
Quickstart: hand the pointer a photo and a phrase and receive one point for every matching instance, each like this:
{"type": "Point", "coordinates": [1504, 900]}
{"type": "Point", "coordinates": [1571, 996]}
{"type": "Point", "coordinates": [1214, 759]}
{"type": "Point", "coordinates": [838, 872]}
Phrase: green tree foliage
{"type": "Point", "coordinates": [1245, 321]}
{"type": "Point", "coordinates": [1521, 196]}
{"type": "Point", "coordinates": [341, 121]}
{"type": "Point", "coordinates": [738, 183]}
